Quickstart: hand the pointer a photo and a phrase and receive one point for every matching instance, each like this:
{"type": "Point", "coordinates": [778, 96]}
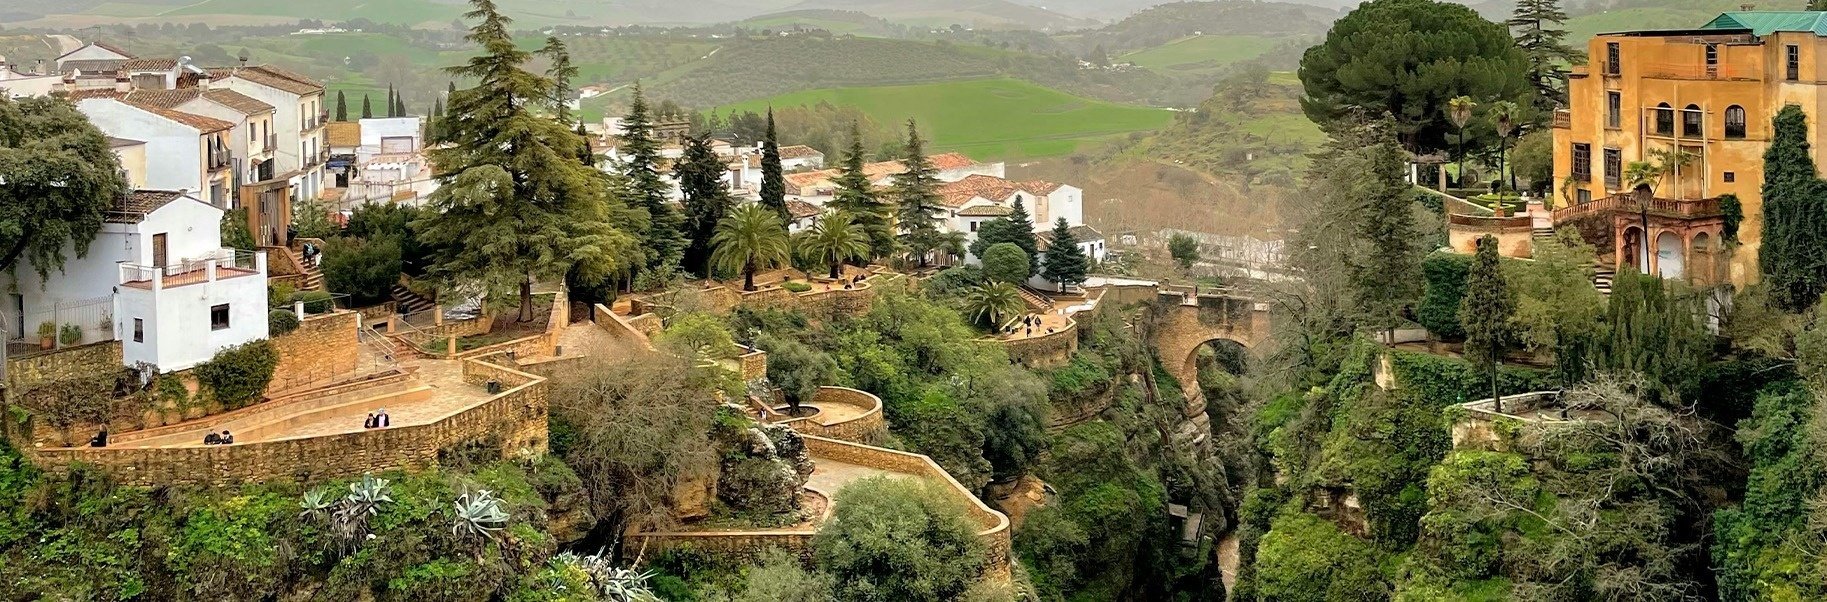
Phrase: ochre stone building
{"type": "Point", "coordinates": [1709, 92]}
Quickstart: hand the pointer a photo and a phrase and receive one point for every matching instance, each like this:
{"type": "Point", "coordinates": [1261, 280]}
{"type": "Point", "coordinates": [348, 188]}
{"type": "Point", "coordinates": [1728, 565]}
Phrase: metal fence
{"type": "Point", "coordinates": [64, 324]}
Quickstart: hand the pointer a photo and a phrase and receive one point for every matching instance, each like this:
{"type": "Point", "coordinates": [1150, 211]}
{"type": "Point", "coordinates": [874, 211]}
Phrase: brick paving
{"type": "Point", "coordinates": [450, 395]}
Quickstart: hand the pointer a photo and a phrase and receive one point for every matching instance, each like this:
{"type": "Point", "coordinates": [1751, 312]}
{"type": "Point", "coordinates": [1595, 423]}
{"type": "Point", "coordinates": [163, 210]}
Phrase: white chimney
{"type": "Point", "coordinates": [122, 83]}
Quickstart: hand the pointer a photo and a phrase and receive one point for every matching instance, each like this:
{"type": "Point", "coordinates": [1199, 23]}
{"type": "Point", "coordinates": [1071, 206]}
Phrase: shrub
{"type": "Point", "coordinates": [1444, 288]}
{"type": "Point", "coordinates": [1005, 262]}
{"type": "Point", "coordinates": [238, 375]}
{"type": "Point", "coordinates": [366, 270]}
{"type": "Point", "coordinates": [797, 287]}
{"type": "Point", "coordinates": [279, 294]}
{"type": "Point", "coordinates": [70, 334]}
{"type": "Point", "coordinates": [315, 302]}
{"type": "Point", "coordinates": [281, 321]}
{"type": "Point", "coordinates": [899, 540]}
{"type": "Point", "coordinates": [798, 369]}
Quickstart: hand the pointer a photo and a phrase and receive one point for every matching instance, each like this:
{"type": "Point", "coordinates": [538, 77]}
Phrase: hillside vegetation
{"type": "Point", "coordinates": [1168, 23]}
{"type": "Point", "coordinates": [987, 119]}
{"type": "Point", "coordinates": [944, 13]}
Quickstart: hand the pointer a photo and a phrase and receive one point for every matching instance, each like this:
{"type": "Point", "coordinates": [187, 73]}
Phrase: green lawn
{"type": "Point", "coordinates": [988, 119]}
{"type": "Point", "coordinates": [1198, 55]}
{"type": "Point", "coordinates": [405, 12]}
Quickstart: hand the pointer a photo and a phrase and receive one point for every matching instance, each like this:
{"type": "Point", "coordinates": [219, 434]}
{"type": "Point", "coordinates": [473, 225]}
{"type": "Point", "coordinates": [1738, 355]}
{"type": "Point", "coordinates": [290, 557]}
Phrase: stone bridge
{"type": "Point", "coordinates": [1185, 320]}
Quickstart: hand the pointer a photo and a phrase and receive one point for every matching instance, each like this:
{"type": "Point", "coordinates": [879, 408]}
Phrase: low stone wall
{"type": "Point", "coordinates": [322, 350]}
{"type": "Point", "coordinates": [375, 314]}
{"type": "Point", "coordinates": [753, 365]}
{"type": "Point", "coordinates": [1051, 349]}
{"type": "Point", "coordinates": [516, 419]}
{"type": "Point", "coordinates": [62, 364]}
{"type": "Point", "coordinates": [858, 429]}
{"type": "Point", "coordinates": [994, 525]}
{"type": "Point", "coordinates": [738, 546]}
{"type": "Point", "coordinates": [648, 325]}
{"type": "Point", "coordinates": [838, 302]}
{"type": "Point", "coordinates": [546, 367]}
{"type": "Point", "coordinates": [374, 385]}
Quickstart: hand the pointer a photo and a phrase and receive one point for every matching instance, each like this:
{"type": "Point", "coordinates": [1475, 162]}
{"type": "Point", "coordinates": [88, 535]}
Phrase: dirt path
{"type": "Point", "coordinates": [66, 43]}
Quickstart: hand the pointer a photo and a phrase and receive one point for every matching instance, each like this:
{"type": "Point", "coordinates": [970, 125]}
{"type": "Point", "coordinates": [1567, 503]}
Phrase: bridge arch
{"type": "Point", "coordinates": [1187, 320]}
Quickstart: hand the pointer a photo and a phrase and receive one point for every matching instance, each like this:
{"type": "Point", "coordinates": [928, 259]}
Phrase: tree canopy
{"type": "Point", "coordinates": [1407, 58]}
{"type": "Point", "coordinates": [1794, 252]}
{"type": "Point", "coordinates": [57, 179]}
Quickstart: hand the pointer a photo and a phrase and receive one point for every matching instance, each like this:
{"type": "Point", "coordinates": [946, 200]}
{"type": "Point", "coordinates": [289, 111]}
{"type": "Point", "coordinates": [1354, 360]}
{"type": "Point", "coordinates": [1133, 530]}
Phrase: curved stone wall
{"type": "Point", "coordinates": [1046, 350]}
{"type": "Point", "coordinates": [864, 427]}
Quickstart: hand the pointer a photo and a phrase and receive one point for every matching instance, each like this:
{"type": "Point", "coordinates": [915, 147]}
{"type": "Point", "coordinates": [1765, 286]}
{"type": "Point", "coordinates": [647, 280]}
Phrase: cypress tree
{"type": "Point", "coordinates": [773, 178]}
{"type": "Point", "coordinates": [1066, 264]}
{"type": "Point", "coordinates": [399, 106]}
{"type": "Point", "coordinates": [664, 242]}
{"type": "Point", "coordinates": [392, 101]}
{"type": "Point", "coordinates": [506, 213]}
{"type": "Point", "coordinates": [699, 174]}
{"type": "Point", "coordinates": [433, 120]}
{"type": "Point", "coordinates": [1536, 25]}
{"type": "Point", "coordinates": [1794, 253]}
{"type": "Point", "coordinates": [367, 109]}
{"type": "Point", "coordinates": [856, 195]}
{"type": "Point", "coordinates": [1387, 273]}
{"type": "Point", "coordinates": [917, 199]}
{"type": "Point", "coordinates": [342, 107]}
{"type": "Point", "coordinates": [1485, 313]}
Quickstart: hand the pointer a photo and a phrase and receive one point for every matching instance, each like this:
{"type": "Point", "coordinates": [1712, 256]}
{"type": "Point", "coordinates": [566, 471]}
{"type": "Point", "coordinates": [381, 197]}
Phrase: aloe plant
{"type": "Point", "coordinates": [478, 514]}
{"type": "Point", "coordinates": [316, 503]}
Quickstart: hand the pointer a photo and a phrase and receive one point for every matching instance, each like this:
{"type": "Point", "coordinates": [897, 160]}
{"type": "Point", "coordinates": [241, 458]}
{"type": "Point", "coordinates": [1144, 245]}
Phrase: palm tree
{"type": "Point", "coordinates": [1669, 162]}
{"type": "Point", "coordinates": [749, 239]}
{"type": "Point", "coordinates": [1641, 177]}
{"type": "Point", "coordinates": [993, 303]}
{"type": "Point", "coordinates": [953, 244]}
{"type": "Point", "coordinates": [1459, 110]}
{"type": "Point", "coordinates": [1505, 112]}
{"type": "Point", "coordinates": [835, 239]}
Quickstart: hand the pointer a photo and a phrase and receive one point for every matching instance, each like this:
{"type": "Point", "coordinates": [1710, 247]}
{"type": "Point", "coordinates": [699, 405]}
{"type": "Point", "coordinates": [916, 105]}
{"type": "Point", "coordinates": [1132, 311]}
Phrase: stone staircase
{"type": "Point", "coordinates": [1037, 302]}
{"type": "Point", "coordinates": [410, 302]}
{"type": "Point", "coordinates": [1542, 234]}
{"type": "Point", "coordinates": [313, 279]}
{"type": "Point", "coordinates": [1601, 279]}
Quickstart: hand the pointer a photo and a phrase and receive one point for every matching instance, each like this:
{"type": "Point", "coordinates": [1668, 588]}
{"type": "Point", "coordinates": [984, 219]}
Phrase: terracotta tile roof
{"type": "Point", "coordinates": [822, 178]}
{"type": "Point", "coordinates": [149, 64]}
{"type": "Point", "coordinates": [950, 161]}
{"type": "Point", "coordinates": [111, 48]}
{"type": "Point", "coordinates": [272, 77]}
{"type": "Point", "coordinates": [201, 123]}
{"type": "Point", "coordinates": [76, 95]}
{"type": "Point", "coordinates": [799, 151]}
{"type": "Point", "coordinates": [133, 206]}
{"type": "Point", "coordinates": [91, 67]}
{"type": "Point", "coordinates": [986, 211]}
{"type": "Point", "coordinates": [956, 194]}
{"type": "Point", "coordinates": [1083, 234]}
{"type": "Point", "coordinates": [343, 133]}
{"type": "Point", "coordinates": [164, 99]}
{"type": "Point", "coordinates": [802, 209]}
{"type": "Point", "coordinates": [155, 102]}
{"type": "Point", "coordinates": [241, 103]}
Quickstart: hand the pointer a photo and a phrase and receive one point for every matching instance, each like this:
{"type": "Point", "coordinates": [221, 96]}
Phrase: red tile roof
{"type": "Point", "coordinates": [799, 151]}
{"type": "Point", "coordinates": [242, 103]}
{"type": "Point", "coordinates": [149, 64]}
{"type": "Point", "coordinates": [132, 207]}
{"type": "Point", "coordinates": [950, 161]}
{"type": "Point", "coordinates": [270, 76]}
{"type": "Point", "coordinates": [991, 188]}
{"type": "Point", "coordinates": [802, 209]}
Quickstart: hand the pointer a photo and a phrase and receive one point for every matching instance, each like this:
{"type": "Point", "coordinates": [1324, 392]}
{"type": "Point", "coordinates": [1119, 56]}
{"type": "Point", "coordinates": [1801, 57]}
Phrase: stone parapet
{"type": "Point", "coordinates": [70, 362]}
{"type": "Point", "coordinates": [863, 427]}
{"type": "Point", "coordinates": [323, 349]}
{"type": "Point", "coordinates": [1051, 349]}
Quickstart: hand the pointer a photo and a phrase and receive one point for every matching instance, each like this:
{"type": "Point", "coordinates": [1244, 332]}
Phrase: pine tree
{"type": "Point", "coordinates": [342, 107]}
{"type": "Point", "coordinates": [664, 242]}
{"type": "Point", "coordinates": [585, 153]}
{"type": "Point", "coordinates": [1015, 228]}
{"type": "Point", "coordinates": [1535, 25]}
{"type": "Point", "coordinates": [367, 109]}
{"type": "Point", "coordinates": [773, 180]}
{"type": "Point", "coordinates": [561, 73]}
{"type": "Point", "coordinates": [857, 196]}
{"type": "Point", "coordinates": [1794, 253]}
{"type": "Point", "coordinates": [1066, 264]}
{"type": "Point", "coordinates": [699, 173]}
{"type": "Point", "coordinates": [433, 120]}
{"type": "Point", "coordinates": [512, 207]}
{"type": "Point", "coordinates": [1485, 313]}
{"type": "Point", "coordinates": [917, 199]}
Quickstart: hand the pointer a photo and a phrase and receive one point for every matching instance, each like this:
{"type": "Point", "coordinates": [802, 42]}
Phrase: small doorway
{"type": "Point", "coordinates": [158, 250]}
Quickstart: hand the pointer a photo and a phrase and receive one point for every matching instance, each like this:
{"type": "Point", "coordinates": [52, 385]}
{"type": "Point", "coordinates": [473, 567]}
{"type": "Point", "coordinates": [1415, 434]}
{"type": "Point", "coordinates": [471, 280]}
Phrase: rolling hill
{"type": "Point", "coordinates": [1168, 23]}
{"type": "Point", "coordinates": [944, 13]}
{"type": "Point", "coordinates": [990, 119]}
{"type": "Point", "coordinates": [1202, 55]}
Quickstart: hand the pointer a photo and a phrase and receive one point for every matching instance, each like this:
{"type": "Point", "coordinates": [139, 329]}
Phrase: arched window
{"type": "Point", "coordinates": [1735, 122]}
{"type": "Point", "coordinates": [1690, 122]}
{"type": "Point", "coordinates": [1665, 120]}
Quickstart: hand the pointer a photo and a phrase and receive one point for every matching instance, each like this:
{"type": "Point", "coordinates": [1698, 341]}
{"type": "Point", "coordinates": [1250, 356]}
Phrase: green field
{"type": "Point", "coordinates": [384, 11]}
{"type": "Point", "coordinates": [1200, 55]}
{"type": "Point", "coordinates": [988, 119]}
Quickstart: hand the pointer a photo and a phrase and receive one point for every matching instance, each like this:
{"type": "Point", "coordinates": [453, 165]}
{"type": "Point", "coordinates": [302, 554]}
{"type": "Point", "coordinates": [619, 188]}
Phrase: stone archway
{"type": "Point", "coordinates": [1187, 322]}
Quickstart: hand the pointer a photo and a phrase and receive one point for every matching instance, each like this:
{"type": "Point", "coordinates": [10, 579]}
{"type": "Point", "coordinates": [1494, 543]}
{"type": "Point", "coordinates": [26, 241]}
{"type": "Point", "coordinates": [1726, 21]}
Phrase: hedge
{"type": "Point", "coordinates": [1443, 275]}
{"type": "Point", "coordinates": [238, 376]}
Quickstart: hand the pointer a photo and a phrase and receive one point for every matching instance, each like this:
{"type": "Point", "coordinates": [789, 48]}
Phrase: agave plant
{"type": "Point", "coordinates": [478, 514]}
{"type": "Point", "coordinates": [316, 503]}
{"type": "Point", "coordinates": [611, 582]}
{"type": "Point", "coordinates": [364, 500]}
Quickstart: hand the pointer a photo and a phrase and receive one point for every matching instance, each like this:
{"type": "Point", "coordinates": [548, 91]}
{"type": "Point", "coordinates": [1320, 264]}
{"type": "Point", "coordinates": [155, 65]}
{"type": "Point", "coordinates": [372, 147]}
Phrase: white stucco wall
{"type": "Point", "coordinates": [174, 151]}
{"type": "Point", "coordinates": [177, 329]}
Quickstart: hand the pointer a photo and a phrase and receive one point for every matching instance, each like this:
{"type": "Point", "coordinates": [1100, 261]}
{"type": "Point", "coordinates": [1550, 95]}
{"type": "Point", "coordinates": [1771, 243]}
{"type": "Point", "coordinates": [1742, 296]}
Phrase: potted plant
{"type": "Point", "coordinates": [70, 334]}
{"type": "Point", "coordinates": [47, 335]}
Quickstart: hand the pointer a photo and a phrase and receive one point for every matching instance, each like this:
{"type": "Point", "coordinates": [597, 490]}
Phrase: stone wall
{"type": "Point", "coordinates": [863, 428]}
{"type": "Point", "coordinates": [322, 350]}
{"type": "Point", "coordinates": [1044, 351]}
{"type": "Point", "coordinates": [753, 364]}
{"type": "Point", "coordinates": [62, 364]}
{"type": "Point", "coordinates": [346, 391]}
{"type": "Point", "coordinates": [376, 314]}
{"type": "Point", "coordinates": [516, 419]}
{"type": "Point", "coordinates": [994, 525]}
{"type": "Point", "coordinates": [838, 302]}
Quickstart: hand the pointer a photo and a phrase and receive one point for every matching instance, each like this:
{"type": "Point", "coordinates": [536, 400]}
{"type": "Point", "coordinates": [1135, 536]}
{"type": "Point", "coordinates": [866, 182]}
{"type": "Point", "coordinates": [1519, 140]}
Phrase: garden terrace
{"type": "Point", "coordinates": [838, 413]}
{"type": "Point", "coordinates": [1482, 423]}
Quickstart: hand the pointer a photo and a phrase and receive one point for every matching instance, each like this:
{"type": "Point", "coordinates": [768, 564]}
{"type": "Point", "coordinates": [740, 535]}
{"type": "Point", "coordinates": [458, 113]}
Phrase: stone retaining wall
{"type": "Point", "coordinates": [373, 385]}
{"type": "Point", "coordinates": [865, 427]}
{"type": "Point", "coordinates": [323, 349]}
{"type": "Point", "coordinates": [516, 419]}
{"type": "Point", "coordinates": [753, 364]}
{"type": "Point", "coordinates": [62, 364]}
{"type": "Point", "coordinates": [1043, 351]}
{"type": "Point", "coordinates": [994, 525]}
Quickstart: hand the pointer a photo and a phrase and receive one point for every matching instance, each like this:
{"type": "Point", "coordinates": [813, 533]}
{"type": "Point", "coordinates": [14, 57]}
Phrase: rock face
{"type": "Point", "coordinates": [765, 466]}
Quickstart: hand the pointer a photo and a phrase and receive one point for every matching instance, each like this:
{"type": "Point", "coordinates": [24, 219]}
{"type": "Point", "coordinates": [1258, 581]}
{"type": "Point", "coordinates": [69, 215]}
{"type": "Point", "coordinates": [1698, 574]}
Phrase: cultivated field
{"type": "Point", "coordinates": [1200, 55]}
{"type": "Point", "coordinates": [987, 118]}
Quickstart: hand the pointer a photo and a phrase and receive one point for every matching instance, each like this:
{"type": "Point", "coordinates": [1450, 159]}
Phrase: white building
{"type": "Point", "coordinates": [252, 141]}
{"type": "Point", "coordinates": [183, 151]}
{"type": "Point", "coordinates": [389, 136]}
{"type": "Point", "coordinates": [969, 202]}
{"type": "Point", "coordinates": [156, 278]}
{"type": "Point", "coordinates": [299, 119]}
{"type": "Point", "coordinates": [799, 156]}
{"type": "Point", "coordinates": [20, 84]}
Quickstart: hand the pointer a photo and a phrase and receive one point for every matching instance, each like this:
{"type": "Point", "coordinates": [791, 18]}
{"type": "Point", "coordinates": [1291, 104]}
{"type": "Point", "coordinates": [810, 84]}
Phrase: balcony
{"type": "Point", "coordinates": [1684, 209]}
{"type": "Point", "coordinates": [315, 123]}
{"type": "Point", "coordinates": [1697, 71]}
{"type": "Point", "coordinates": [272, 142]}
{"type": "Point", "coordinates": [1563, 119]}
{"type": "Point", "coordinates": [219, 265]}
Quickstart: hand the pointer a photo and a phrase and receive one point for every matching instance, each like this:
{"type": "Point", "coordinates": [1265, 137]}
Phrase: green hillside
{"type": "Point", "coordinates": [1198, 55]}
{"type": "Point", "coordinates": [989, 119]}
